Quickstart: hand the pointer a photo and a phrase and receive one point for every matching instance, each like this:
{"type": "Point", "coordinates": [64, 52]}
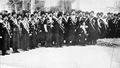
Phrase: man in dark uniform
{"type": "Point", "coordinates": [72, 23]}
{"type": "Point", "coordinates": [92, 29]}
{"type": "Point", "coordinates": [66, 27]}
{"type": "Point", "coordinates": [15, 32]}
{"type": "Point", "coordinates": [36, 21]}
{"type": "Point", "coordinates": [101, 26]}
{"type": "Point", "coordinates": [32, 33]}
{"type": "Point", "coordinates": [59, 30]}
{"type": "Point", "coordinates": [55, 32]}
{"type": "Point", "coordinates": [2, 32]}
{"type": "Point", "coordinates": [42, 32]}
{"type": "Point", "coordinates": [111, 26]}
{"type": "Point", "coordinates": [81, 32]}
{"type": "Point", "coordinates": [25, 33]}
{"type": "Point", "coordinates": [80, 20]}
{"type": "Point", "coordinates": [7, 35]}
{"type": "Point", "coordinates": [49, 33]}
{"type": "Point", "coordinates": [118, 26]}
{"type": "Point", "coordinates": [116, 18]}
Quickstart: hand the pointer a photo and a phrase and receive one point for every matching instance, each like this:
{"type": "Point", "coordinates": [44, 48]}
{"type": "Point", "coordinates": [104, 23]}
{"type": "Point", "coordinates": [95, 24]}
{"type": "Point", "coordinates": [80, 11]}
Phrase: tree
{"type": "Point", "coordinates": [53, 9]}
{"type": "Point", "coordinates": [15, 4]}
{"type": "Point", "coordinates": [65, 4]}
{"type": "Point", "coordinates": [117, 4]}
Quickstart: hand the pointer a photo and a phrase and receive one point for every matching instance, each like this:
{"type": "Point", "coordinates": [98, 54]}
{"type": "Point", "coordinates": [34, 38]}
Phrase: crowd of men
{"type": "Point", "coordinates": [54, 29]}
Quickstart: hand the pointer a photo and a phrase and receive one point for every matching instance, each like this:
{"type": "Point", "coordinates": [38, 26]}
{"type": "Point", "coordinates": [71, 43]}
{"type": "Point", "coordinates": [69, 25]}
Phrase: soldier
{"type": "Point", "coordinates": [105, 25]}
{"type": "Point", "coordinates": [55, 32]}
{"type": "Point", "coordinates": [25, 33]}
{"type": "Point", "coordinates": [80, 20]}
{"type": "Point", "coordinates": [42, 29]}
{"type": "Point", "coordinates": [66, 27]}
{"type": "Point", "coordinates": [92, 29]}
{"type": "Point", "coordinates": [19, 19]}
{"type": "Point", "coordinates": [81, 30]}
{"type": "Point", "coordinates": [59, 26]}
{"type": "Point", "coordinates": [118, 26]}
{"type": "Point", "coordinates": [101, 26]}
{"type": "Point", "coordinates": [2, 32]}
{"type": "Point", "coordinates": [49, 21]}
{"type": "Point", "coordinates": [15, 31]}
{"type": "Point", "coordinates": [32, 33]}
{"type": "Point", "coordinates": [72, 23]}
{"type": "Point", "coordinates": [7, 35]}
{"type": "Point", "coordinates": [111, 25]}
{"type": "Point", "coordinates": [36, 20]}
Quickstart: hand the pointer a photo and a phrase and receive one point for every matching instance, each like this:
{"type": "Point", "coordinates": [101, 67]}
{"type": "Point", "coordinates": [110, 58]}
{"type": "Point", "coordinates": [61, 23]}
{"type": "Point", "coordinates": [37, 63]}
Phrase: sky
{"type": "Point", "coordinates": [49, 3]}
{"type": "Point", "coordinates": [96, 5]}
{"type": "Point", "coordinates": [86, 5]}
{"type": "Point", "coordinates": [3, 5]}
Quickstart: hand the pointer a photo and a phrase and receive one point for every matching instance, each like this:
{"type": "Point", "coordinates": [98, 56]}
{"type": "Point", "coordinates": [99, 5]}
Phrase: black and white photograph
{"type": "Point", "coordinates": [59, 33]}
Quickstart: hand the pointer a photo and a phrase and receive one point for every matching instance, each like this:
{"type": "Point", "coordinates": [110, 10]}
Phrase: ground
{"type": "Point", "coordinates": [90, 56]}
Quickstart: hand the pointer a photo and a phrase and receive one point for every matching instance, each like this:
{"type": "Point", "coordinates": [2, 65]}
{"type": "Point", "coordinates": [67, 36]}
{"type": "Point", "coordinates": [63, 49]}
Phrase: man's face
{"type": "Point", "coordinates": [25, 18]}
{"type": "Point", "coordinates": [15, 15]}
{"type": "Point", "coordinates": [98, 16]}
{"type": "Point", "coordinates": [92, 14]}
{"type": "Point", "coordinates": [80, 14]}
{"type": "Point", "coordinates": [109, 16]}
{"type": "Point", "coordinates": [19, 17]}
{"type": "Point", "coordinates": [67, 14]}
{"type": "Point", "coordinates": [73, 13]}
{"type": "Point", "coordinates": [87, 15]}
{"type": "Point", "coordinates": [32, 17]}
{"type": "Point", "coordinates": [83, 14]}
{"type": "Point", "coordinates": [102, 14]}
{"type": "Point", "coordinates": [50, 15]}
{"type": "Point", "coordinates": [35, 15]}
{"type": "Point", "coordinates": [5, 18]}
{"type": "Point", "coordinates": [39, 13]}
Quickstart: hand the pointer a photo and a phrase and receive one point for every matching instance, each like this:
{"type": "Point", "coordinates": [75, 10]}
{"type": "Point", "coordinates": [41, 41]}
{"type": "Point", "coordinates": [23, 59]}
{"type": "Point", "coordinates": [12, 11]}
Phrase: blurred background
{"type": "Point", "coordinates": [64, 5]}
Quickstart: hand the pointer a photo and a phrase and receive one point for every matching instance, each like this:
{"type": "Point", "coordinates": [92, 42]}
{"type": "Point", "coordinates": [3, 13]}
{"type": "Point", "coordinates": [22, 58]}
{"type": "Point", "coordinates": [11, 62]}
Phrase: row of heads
{"type": "Point", "coordinates": [26, 13]}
